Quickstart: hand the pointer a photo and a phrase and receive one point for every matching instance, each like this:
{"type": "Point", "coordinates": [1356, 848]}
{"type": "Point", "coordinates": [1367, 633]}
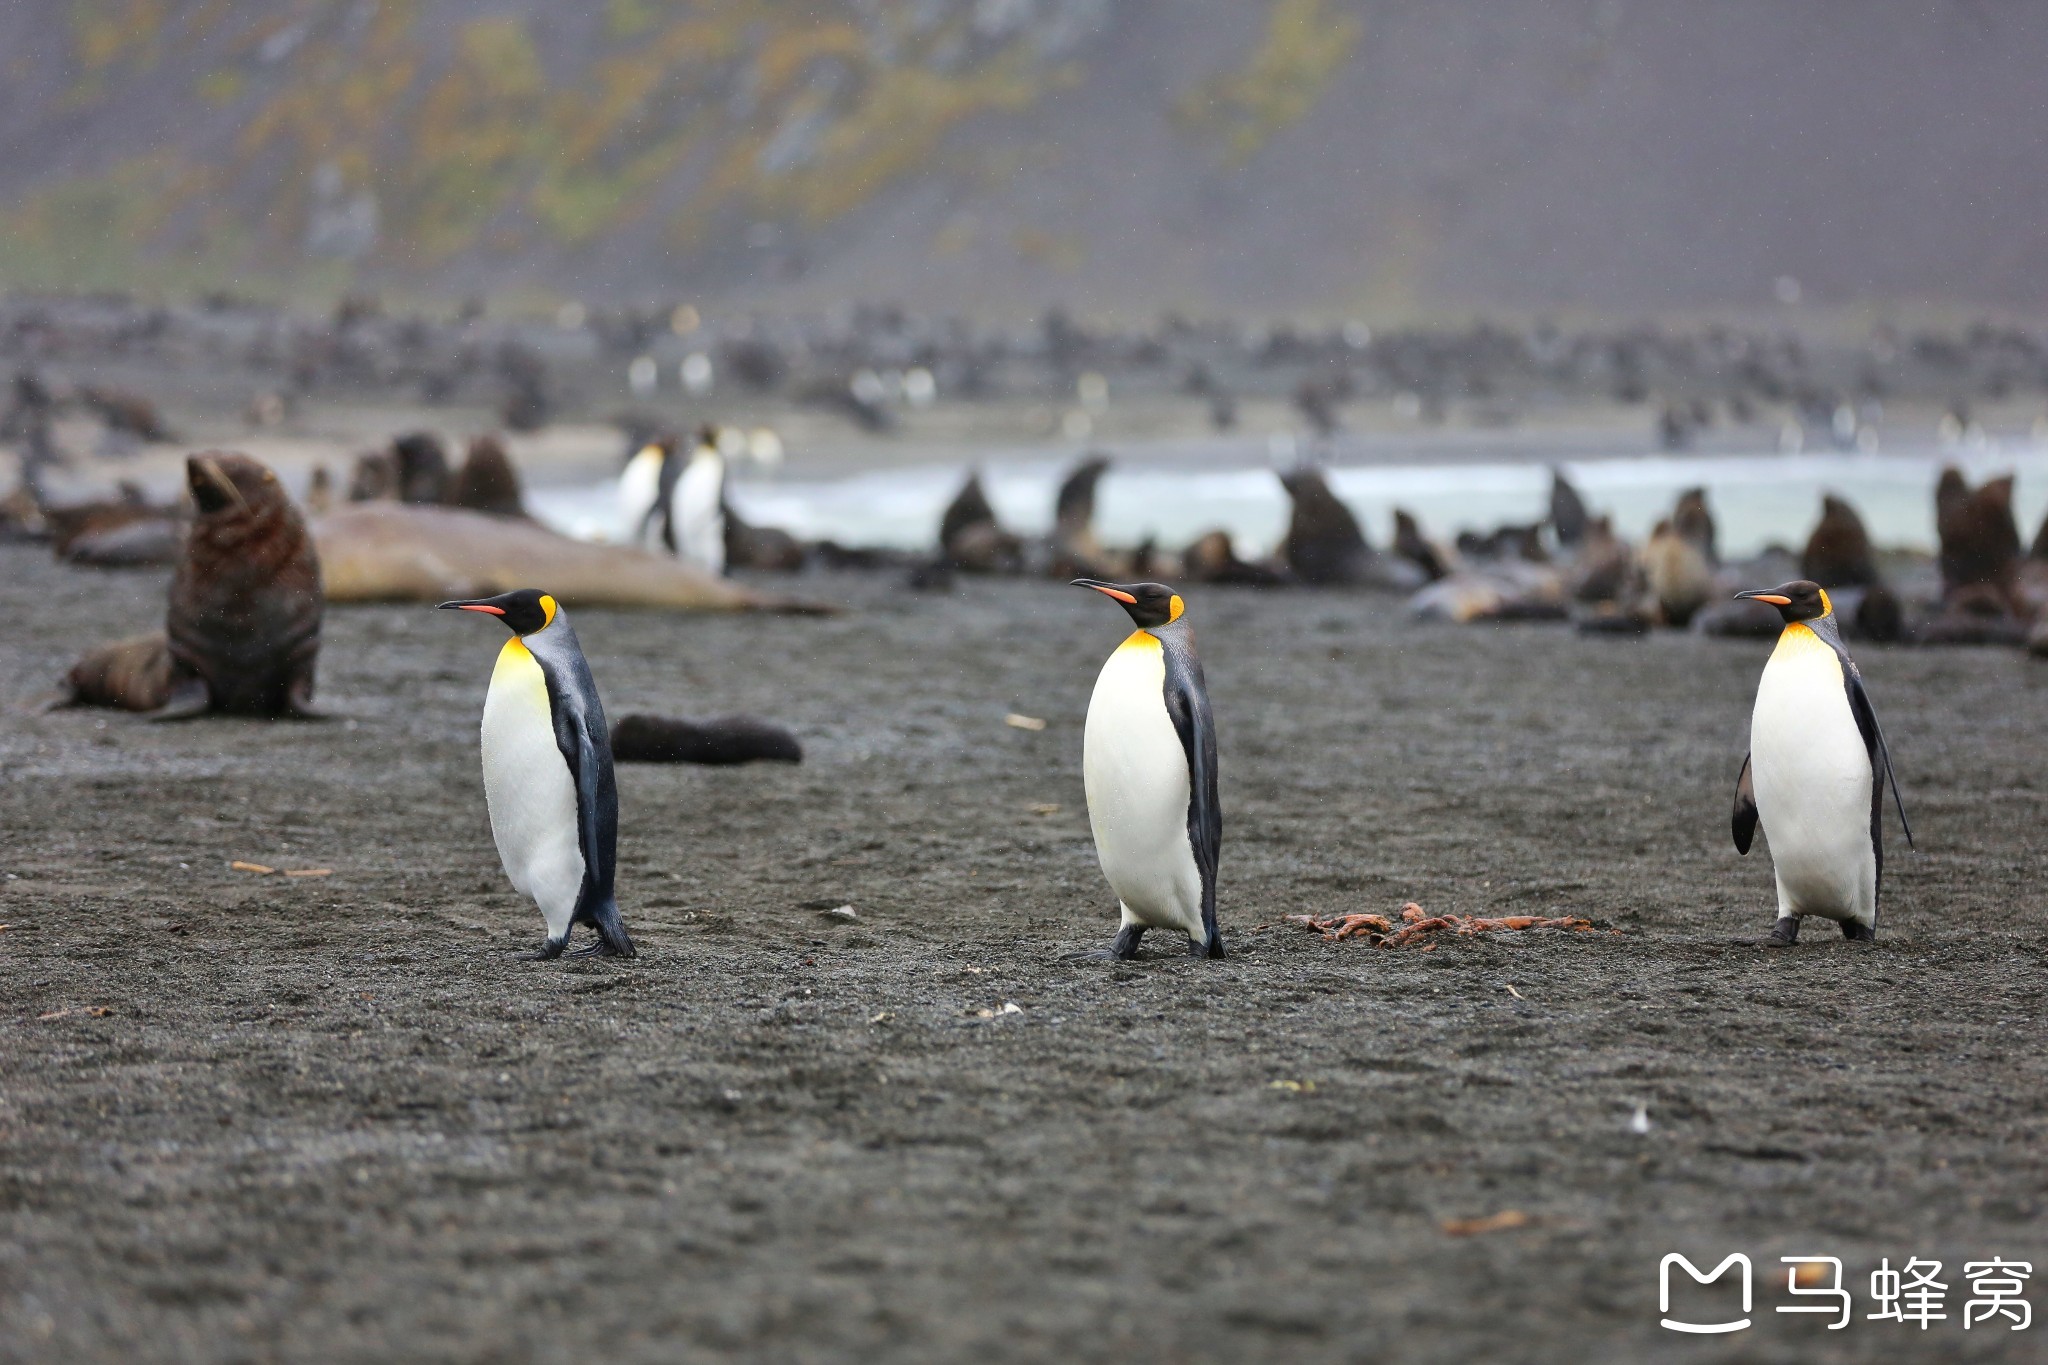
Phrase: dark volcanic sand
{"type": "Point", "coordinates": [338, 1119]}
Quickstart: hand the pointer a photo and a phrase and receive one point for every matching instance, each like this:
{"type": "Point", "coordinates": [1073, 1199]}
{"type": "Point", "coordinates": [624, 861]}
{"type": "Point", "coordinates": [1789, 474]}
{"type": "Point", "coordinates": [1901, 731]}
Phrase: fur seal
{"type": "Point", "coordinates": [1691, 519]}
{"type": "Point", "coordinates": [487, 482]}
{"type": "Point", "coordinates": [1075, 550]}
{"type": "Point", "coordinates": [1605, 567]}
{"type": "Point", "coordinates": [1678, 572]}
{"type": "Point", "coordinates": [422, 467]}
{"type": "Point", "coordinates": [1324, 545]}
{"type": "Point", "coordinates": [1568, 515]}
{"type": "Point", "coordinates": [1838, 553]}
{"type": "Point", "coordinates": [1411, 545]}
{"type": "Point", "coordinates": [1511, 590]}
{"type": "Point", "coordinates": [242, 630]}
{"type": "Point", "coordinates": [721, 742]}
{"type": "Point", "coordinates": [760, 547]}
{"type": "Point", "coordinates": [971, 538]}
{"type": "Point", "coordinates": [1213, 559]}
{"type": "Point", "coordinates": [1980, 541]}
{"type": "Point", "coordinates": [130, 675]}
{"type": "Point", "coordinates": [244, 618]}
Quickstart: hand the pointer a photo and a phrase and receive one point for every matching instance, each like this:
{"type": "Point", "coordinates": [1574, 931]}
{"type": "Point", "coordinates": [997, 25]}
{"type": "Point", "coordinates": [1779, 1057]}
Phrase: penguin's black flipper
{"type": "Point", "coordinates": [1187, 702]}
{"type": "Point", "coordinates": [1745, 809]}
{"type": "Point", "coordinates": [584, 742]}
{"type": "Point", "coordinates": [1880, 756]}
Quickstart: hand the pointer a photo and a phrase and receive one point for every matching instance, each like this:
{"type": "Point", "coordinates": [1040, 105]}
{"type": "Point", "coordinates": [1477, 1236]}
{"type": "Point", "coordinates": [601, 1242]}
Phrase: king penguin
{"type": "Point", "coordinates": [1148, 761]}
{"type": "Point", "coordinates": [644, 492]}
{"type": "Point", "coordinates": [548, 780]}
{"type": "Point", "coordinates": [1816, 772]}
{"type": "Point", "coordinates": [697, 506]}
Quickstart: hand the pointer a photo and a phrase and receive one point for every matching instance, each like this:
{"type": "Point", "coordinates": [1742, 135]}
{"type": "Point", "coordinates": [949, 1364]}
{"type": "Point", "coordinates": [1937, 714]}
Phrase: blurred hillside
{"type": "Point", "coordinates": [1611, 156]}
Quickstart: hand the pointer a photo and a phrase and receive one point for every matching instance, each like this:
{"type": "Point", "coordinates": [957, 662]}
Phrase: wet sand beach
{"type": "Point", "coordinates": [246, 1117]}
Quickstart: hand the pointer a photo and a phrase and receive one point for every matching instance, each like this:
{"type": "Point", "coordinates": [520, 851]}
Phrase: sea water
{"type": "Point", "coordinates": [1757, 499]}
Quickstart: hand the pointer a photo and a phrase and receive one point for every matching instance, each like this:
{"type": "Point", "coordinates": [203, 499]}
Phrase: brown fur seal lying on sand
{"type": "Point", "coordinates": [242, 631]}
{"type": "Point", "coordinates": [393, 552]}
{"type": "Point", "coordinates": [721, 742]}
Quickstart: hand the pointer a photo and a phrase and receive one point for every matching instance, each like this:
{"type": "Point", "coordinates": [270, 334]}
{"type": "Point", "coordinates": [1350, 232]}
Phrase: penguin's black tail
{"type": "Point", "coordinates": [611, 930]}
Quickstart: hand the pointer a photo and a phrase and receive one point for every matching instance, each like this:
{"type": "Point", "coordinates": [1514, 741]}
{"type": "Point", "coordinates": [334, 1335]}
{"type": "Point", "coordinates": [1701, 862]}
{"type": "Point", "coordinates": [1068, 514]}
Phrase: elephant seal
{"type": "Point", "coordinates": [242, 629]}
{"type": "Point", "coordinates": [394, 552]}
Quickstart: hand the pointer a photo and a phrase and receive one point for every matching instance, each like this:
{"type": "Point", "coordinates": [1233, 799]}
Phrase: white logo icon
{"type": "Point", "coordinates": [1709, 1328]}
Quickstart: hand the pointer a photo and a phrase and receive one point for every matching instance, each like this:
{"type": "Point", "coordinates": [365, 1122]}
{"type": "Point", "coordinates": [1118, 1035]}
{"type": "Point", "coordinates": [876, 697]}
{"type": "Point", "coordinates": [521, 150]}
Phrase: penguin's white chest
{"type": "Point", "coordinates": [1136, 774]}
{"type": "Point", "coordinates": [1812, 776]}
{"type": "Point", "coordinates": [531, 795]}
{"type": "Point", "coordinates": [639, 487]}
{"type": "Point", "coordinates": [698, 512]}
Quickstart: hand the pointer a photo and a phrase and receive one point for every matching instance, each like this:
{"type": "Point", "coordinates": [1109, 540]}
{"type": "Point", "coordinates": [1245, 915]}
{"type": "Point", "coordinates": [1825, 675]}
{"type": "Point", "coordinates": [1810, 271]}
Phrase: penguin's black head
{"type": "Point", "coordinates": [524, 611]}
{"type": "Point", "coordinates": [1150, 604]}
{"type": "Point", "coordinates": [1799, 600]}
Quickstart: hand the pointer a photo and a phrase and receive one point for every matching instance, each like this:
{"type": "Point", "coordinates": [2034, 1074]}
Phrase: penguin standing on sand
{"type": "Point", "coordinates": [1148, 760]}
{"type": "Point", "coordinates": [696, 509]}
{"type": "Point", "coordinates": [1816, 772]}
{"type": "Point", "coordinates": [548, 773]}
{"type": "Point", "coordinates": [644, 489]}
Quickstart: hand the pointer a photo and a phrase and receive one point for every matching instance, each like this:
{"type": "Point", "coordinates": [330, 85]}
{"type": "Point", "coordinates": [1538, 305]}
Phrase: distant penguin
{"type": "Point", "coordinates": [697, 506]}
{"type": "Point", "coordinates": [548, 781]}
{"type": "Point", "coordinates": [1816, 772]}
{"type": "Point", "coordinates": [1148, 761]}
{"type": "Point", "coordinates": [644, 486]}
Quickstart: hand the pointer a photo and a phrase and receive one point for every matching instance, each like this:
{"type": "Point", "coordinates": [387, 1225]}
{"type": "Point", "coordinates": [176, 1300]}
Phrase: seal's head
{"type": "Point", "coordinates": [219, 481]}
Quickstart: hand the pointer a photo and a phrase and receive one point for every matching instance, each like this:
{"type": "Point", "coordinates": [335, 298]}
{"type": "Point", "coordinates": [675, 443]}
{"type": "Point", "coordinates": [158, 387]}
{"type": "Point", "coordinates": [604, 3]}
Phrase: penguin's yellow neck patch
{"type": "Point", "coordinates": [547, 607]}
{"type": "Point", "coordinates": [1797, 638]}
{"type": "Point", "coordinates": [1140, 639]}
{"type": "Point", "coordinates": [1174, 609]}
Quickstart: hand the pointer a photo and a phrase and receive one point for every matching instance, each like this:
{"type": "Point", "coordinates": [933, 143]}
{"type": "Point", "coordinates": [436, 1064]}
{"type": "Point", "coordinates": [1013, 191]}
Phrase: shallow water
{"type": "Point", "coordinates": [1758, 498]}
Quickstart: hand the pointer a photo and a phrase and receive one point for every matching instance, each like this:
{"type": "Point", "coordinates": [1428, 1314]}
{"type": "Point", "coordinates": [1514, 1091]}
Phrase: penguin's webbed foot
{"type": "Point", "coordinates": [1784, 933]}
{"type": "Point", "coordinates": [599, 947]}
{"type": "Point", "coordinates": [1212, 949]}
{"type": "Point", "coordinates": [1124, 947]}
{"type": "Point", "coordinates": [1858, 932]}
{"type": "Point", "coordinates": [548, 951]}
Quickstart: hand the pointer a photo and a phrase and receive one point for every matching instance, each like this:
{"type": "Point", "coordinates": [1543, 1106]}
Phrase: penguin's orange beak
{"type": "Point", "coordinates": [1775, 599]}
{"type": "Point", "coordinates": [1107, 591]}
{"type": "Point", "coordinates": [473, 606]}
